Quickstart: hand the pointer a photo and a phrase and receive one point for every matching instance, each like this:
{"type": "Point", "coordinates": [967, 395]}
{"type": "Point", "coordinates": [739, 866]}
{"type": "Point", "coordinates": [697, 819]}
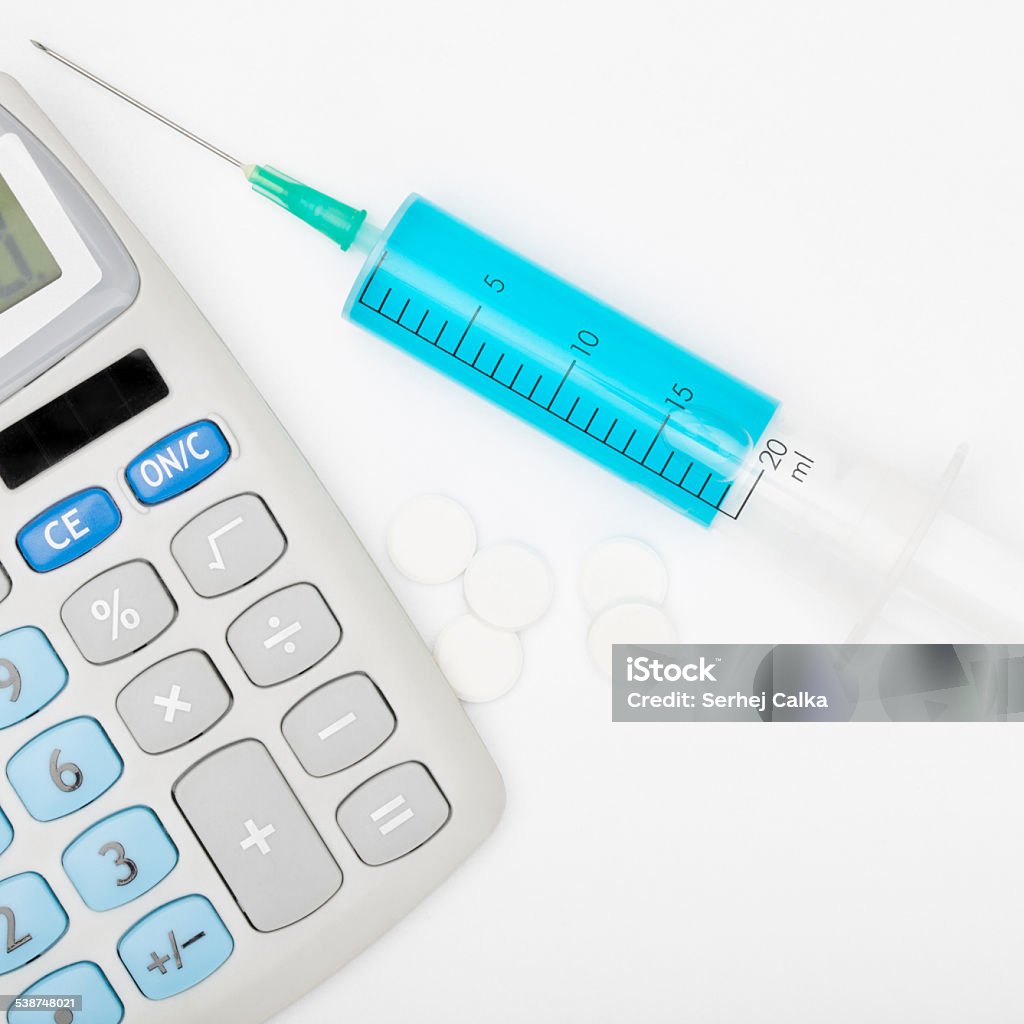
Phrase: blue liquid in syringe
{"type": "Point", "coordinates": [622, 395]}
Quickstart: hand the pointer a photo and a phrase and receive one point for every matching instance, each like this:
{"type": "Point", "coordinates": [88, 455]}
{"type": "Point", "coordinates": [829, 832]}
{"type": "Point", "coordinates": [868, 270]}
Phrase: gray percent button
{"type": "Point", "coordinates": [228, 545]}
{"type": "Point", "coordinates": [258, 836]}
{"type": "Point", "coordinates": [173, 702]}
{"type": "Point", "coordinates": [118, 612]}
{"type": "Point", "coordinates": [284, 634]}
{"type": "Point", "coordinates": [5, 584]}
{"type": "Point", "coordinates": [393, 813]}
{"type": "Point", "coordinates": [339, 724]}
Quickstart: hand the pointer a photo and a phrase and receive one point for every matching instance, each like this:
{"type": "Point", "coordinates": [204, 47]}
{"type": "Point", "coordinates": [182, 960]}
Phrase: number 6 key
{"type": "Point", "coordinates": [64, 768]}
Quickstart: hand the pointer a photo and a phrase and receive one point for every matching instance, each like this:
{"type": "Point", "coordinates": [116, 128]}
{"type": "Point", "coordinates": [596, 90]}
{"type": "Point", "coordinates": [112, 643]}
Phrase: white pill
{"type": "Point", "coordinates": [621, 570]}
{"type": "Point", "coordinates": [431, 539]}
{"type": "Point", "coordinates": [481, 663]}
{"type": "Point", "coordinates": [627, 624]}
{"type": "Point", "coordinates": [508, 585]}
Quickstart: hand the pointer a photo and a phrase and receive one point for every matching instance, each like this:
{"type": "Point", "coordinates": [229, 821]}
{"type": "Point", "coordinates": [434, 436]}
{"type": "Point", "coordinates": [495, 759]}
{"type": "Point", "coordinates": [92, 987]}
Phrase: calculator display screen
{"type": "Point", "coordinates": [26, 264]}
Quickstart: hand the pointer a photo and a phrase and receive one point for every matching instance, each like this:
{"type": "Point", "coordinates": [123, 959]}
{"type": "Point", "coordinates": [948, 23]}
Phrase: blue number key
{"type": "Point", "coordinates": [64, 768]}
{"type": "Point", "coordinates": [119, 858]}
{"type": "Point", "coordinates": [31, 674]}
{"type": "Point", "coordinates": [100, 1004]}
{"type": "Point", "coordinates": [6, 832]}
{"type": "Point", "coordinates": [31, 919]}
{"type": "Point", "coordinates": [175, 947]}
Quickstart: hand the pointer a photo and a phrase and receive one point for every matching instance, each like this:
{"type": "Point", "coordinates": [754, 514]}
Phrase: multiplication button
{"type": "Point", "coordinates": [393, 813]}
{"type": "Point", "coordinates": [173, 702]}
{"type": "Point", "coordinates": [118, 612]}
{"type": "Point", "coordinates": [284, 634]}
{"type": "Point", "coordinates": [228, 545]}
{"type": "Point", "coordinates": [258, 836]}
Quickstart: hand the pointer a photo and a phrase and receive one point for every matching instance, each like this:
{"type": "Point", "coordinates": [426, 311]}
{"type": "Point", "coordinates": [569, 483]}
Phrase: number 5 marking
{"type": "Point", "coordinates": [120, 860]}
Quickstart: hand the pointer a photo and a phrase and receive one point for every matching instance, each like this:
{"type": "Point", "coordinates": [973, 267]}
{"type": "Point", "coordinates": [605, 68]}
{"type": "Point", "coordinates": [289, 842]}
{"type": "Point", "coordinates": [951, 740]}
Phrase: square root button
{"type": "Point", "coordinates": [228, 545]}
{"type": "Point", "coordinates": [338, 724]}
{"type": "Point", "coordinates": [393, 813]}
{"type": "Point", "coordinates": [284, 634]}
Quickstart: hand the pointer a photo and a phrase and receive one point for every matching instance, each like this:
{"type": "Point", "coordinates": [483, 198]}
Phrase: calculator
{"type": "Point", "coordinates": [229, 761]}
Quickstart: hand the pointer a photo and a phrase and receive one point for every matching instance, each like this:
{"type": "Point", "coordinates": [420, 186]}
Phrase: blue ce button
{"type": "Point", "coordinates": [69, 529]}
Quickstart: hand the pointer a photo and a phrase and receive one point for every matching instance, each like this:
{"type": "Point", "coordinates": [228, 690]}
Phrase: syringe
{"type": "Point", "coordinates": [656, 414]}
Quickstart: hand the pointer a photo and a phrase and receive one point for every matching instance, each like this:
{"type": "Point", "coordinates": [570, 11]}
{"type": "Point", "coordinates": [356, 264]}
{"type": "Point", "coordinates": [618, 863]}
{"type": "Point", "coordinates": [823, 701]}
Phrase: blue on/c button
{"type": "Point", "coordinates": [178, 462]}
{"type": "Point", "coordinates": [69, 529]}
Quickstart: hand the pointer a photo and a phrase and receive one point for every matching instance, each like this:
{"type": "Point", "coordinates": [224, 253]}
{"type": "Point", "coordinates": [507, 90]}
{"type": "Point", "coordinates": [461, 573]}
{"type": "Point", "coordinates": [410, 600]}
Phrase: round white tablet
{"type": "Point", "coordinates": [622, 569]}
{"type": "Point", "coordinates": [508, 585]}
{"type": "Point", "coordinates": [431, 539]}
{"type": "Point", "coordinates": [627, 624]}
{"type": "Point", "coordinates": [481, 663]}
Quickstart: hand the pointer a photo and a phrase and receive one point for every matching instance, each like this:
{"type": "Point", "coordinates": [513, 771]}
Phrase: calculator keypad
{"type": "Point", "coordinates": [284, 634]}
{"type": "Point", "coordinates": [31, 919]}
{"type": "Point", "coordinates": [118, 612]}
{"type": "Point", "coordinates": [119, 858]}
{"type": "Point", "coordinates": [100, 1004]}
{"type": "Point", "coordinates": [393, 813]}
{"type": "Point", "coordinates": [64, 768]}
{"type": "Point", "coordinates": [173, 702]}
{"type": "Point", "coordinates": [258, 835]}
{"type": "Point", "coordinates": [339, 724]}
{"type": "Point", "coordinates": [228, 545]}
{"type": "Point", "coordinates": [236, 800]}
{"type": "Point", "coordinates": [31, 674]}
{"type": "Point", "coordinates": [175, 947]}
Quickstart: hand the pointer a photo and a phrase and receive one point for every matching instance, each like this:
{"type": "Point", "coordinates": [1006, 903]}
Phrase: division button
{"type": "Point", "coordinates": [118, 612]}
{"type": "Point", "coordinates": [257, 835]}
{"type": "Point", "coordinates": [173, 702]}
{"type": "Point", "coordinates": [393, 813]}
{"type": "Point", "coordinates": [339, 724]}
{"type": "Point", "coordinates": [175, 947]}
{"type": "Point", "coordinates": [228, 545]}
{"type": "Point", "coordinates": [284, 634]}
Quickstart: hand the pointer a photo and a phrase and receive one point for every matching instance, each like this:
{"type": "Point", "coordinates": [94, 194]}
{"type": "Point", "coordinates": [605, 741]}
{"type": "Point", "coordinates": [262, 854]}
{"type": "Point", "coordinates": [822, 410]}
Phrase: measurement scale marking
{"type": "Point", "coordinates": [560, 383]}
{"type": "Point", "coordinates": [510, 386]}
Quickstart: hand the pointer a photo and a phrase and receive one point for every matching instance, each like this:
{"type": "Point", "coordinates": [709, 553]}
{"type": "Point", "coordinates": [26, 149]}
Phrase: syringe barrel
{"type": "Point", "coordinates": [624, 396]}
{"type": "Point", "coordinates": [679, 427]}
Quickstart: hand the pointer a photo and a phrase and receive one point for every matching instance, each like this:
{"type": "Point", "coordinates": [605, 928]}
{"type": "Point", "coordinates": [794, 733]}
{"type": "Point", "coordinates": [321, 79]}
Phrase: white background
{"type": "Point", "coordinates": [826, 198]}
